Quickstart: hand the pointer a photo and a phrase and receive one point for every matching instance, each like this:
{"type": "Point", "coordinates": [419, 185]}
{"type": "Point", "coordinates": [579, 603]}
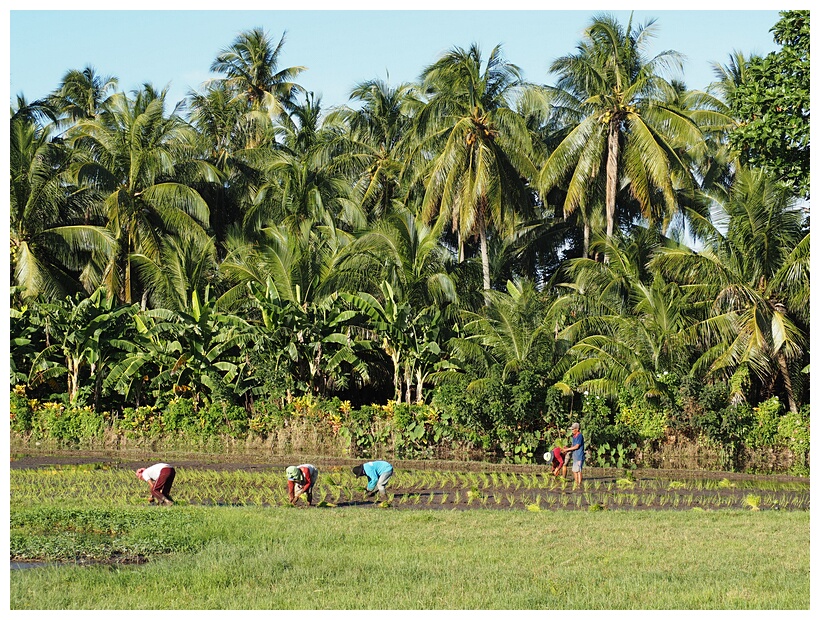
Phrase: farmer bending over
{"type": "Point", "coordinates": [301, 480]}
{"type": "Point", "coordinates": [159, 477]}
{"type": "Point", "coordinates": [378, 473]}
{"type": "Point", "coordinates": [559, 464]}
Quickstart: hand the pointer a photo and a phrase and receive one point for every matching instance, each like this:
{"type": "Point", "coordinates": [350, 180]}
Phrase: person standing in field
{"type": "Point", "coordinates": [160, 477]}
{"type": "Point", "coordinates": [577, 450]}
{"type": "Point", "coordinates": [378, 473]}
{"type": "Point", "coordinates": [301, 481]}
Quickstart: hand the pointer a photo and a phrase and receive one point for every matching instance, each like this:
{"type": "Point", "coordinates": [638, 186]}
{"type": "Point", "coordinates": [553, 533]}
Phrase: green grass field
{"type": "Point", "coordinates": [222, 557]}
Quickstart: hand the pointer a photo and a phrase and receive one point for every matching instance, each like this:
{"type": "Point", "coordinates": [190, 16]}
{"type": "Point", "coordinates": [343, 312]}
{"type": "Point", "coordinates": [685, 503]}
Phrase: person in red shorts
{"type": "Point", "coordinates": [159, 477]}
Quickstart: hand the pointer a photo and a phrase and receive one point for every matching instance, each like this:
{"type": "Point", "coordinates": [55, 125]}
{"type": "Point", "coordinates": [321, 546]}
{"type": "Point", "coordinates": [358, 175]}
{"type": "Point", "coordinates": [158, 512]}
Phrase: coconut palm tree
{"type": "Point", "coordinates": [53, 234]}
{"type": "Point", "coordinates": [754, 275]}
{"type": "Point", "coordinates": [480, 147]}
{"type": "Point", "coordinates": [510, 328]}
{"type": "Point", "coordinates": [626, 326]}
{"type": "Point", "coordinates": [133, 156]}
{"type": "Point", "coordinates": [372, 152]}
{"type": "Point", "coordinates": [402, 251]}
{"type": "Point", "coordinates": [250, 65]}
{"type": "Point", "coordinates": [300, 187]}
{"type": "Point", "coordinates": [621, 130]}
{"type": "Point", "coordinates": [237, 142]}
{"type": "Point", "coordinates": [184, 264]}
{"type": "Point", "coordinates": [82, 94]}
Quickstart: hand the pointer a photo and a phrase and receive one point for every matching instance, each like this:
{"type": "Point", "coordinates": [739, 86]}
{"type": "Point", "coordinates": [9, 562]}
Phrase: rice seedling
{"type": "Point", "coordinates": [578, 500]}
{"type": "Point", "coordinates": [457, 497]}
{"type": "Point", "coordinates": [510, 499]}
{"type": "Point", "coordinates": [752, 501]}
{"type": "Point", "coordinates": [474, 494]}
{"type": "Point", "coordinates": [444, 497]}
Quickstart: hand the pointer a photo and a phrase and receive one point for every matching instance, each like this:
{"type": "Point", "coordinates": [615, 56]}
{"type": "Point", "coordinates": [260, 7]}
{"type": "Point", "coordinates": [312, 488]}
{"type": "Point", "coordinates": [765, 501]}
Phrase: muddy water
{"type": "Point", "coordinates": [24, 565]}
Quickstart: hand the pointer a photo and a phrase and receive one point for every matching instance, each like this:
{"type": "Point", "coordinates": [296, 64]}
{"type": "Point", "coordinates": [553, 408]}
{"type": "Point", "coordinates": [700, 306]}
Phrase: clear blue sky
{"type": "Point", "coordinates": [342, 47]}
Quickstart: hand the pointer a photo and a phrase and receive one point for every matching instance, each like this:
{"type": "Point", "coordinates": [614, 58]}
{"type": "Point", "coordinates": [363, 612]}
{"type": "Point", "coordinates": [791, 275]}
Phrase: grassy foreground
{"type": "Point", "coordinates": [368, 558]}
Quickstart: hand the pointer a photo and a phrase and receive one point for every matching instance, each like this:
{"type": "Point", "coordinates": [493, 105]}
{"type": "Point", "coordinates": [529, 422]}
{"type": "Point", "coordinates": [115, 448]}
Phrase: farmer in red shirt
{"type": "Point", "coordinates": [301, 480]}
{"type": "Point", "coordinates": [555, 457]}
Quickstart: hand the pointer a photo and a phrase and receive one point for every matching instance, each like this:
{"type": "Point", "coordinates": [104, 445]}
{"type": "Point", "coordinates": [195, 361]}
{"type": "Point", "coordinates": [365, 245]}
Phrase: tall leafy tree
{"type": "Point", "coordinates": [773, 106]}
{"type": "Point", "coordinates": [237, 142]}
{"type": "Point", "coordinates": [480, 147]}
{"type": "Point", "coordinates": [300, 188]}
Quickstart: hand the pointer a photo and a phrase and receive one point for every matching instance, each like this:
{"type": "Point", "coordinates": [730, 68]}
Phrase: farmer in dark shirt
{"type": "Point", "coordinates": [577, 451]}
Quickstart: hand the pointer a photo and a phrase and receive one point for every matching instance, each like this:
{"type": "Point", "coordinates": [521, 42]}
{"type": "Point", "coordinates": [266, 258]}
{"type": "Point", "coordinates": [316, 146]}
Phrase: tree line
{"type": "Point", "coordinates": [503, 247]}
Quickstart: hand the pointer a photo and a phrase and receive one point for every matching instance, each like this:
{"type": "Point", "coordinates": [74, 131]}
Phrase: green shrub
{"type": "Point", "coordinates": [793, 433]}
{"type": "Point", "coordinates": [648, 421]}
{"type": "Point", "coordinates": [179, 415]}
{"type": "Point", "coordinates": [141, 422]}
{"type": "Point", "coordinates": [20, 412]}
{"type": "Point", "coordinates": [766, 419]}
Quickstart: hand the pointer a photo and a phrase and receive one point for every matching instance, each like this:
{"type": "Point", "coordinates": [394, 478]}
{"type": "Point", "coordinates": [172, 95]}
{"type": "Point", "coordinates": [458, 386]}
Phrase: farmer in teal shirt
{"type": "Point", "coordinates": [378, 473]}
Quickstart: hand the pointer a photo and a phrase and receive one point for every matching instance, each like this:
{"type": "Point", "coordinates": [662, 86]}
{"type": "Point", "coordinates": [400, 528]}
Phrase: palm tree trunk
{"type": "Point", "coordinates": [485, 256]}
{"type": "Point", "coordinates": [611, 176]}
{"type": "Point", "coordinates": [485, 259]}
{"type": "Point", "coordinates": [787, 382]}
{"type": "Point", "coordinates": [127, 284]}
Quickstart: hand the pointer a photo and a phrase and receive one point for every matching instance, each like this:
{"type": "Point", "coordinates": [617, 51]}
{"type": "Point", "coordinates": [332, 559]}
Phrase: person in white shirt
{"type": "Point", "coordinates": [159, 477]}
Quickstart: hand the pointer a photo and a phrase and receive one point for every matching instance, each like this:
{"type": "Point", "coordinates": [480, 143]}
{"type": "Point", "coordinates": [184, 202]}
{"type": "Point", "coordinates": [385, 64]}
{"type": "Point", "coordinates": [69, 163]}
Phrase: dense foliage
{"type": "Point", "coordinates": [773, 106]}
{"type": "Point", "coordinates": [488, 259]}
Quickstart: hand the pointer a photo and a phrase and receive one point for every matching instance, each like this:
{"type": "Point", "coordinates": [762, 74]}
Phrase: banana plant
{"type": "Point", "coordinates": [85, 337]}
{"type": "Point", "coordinates": [198, 351]}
